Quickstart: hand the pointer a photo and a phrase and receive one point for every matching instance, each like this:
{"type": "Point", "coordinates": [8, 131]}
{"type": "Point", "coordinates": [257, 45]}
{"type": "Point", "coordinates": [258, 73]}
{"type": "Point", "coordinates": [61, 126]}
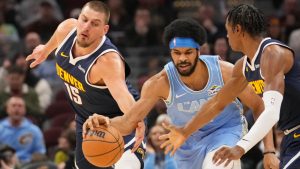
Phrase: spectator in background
{"type": "Point", "coordinates": [117, 22]}
{"type": "Point", "coordinates": [294, 42]}
{"type": "Point", "coordinates": [141, 33]}
{"type": "Point", "coordinates": [9, 38]}
{"type": "Point", "coordinates": [3, 73]}
{"type": "Point", "coordinates": [46, 24]}
{"type": "Point", "coordinates": [40, 85]}
{"type": "Point", "coordinates": [206, 17]}
{"type": "Point", "coordinates": [290, 15]}
{"type": "Point", "coordinates": [31, 40]}
{"type": "Point", "coordinates": [221, 48]}
{"type": "Point", "coordinates": [65, 149]}
{"type": "Point", "coordinates": [9, 159]}
{"type": "Point", "coordinates": [16, 87]}
{"type": "Point", "coordinates": [155, 157]}
{"type": "Point", "coordinates": [18, 132]}
{"type": "Point", "coordinates": [275, 28]}
{"type": "Point", "coordinates": [27, 11]}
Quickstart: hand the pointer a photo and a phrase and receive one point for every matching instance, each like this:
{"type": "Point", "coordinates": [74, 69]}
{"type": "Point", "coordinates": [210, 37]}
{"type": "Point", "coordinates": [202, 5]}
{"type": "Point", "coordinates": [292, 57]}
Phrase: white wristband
{"type": "Point", "coordinates": [268, 118]}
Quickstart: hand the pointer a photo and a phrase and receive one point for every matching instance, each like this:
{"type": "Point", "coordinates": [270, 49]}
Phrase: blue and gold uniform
{"type": "Point", "coordinates": [86, 98]}
{"type": "Point", "coordinates": [290, 108]}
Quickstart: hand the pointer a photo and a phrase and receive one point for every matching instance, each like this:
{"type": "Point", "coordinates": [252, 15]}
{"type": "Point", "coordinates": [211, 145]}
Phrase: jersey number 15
{"type": "Point", "coordinates": [74, 94]}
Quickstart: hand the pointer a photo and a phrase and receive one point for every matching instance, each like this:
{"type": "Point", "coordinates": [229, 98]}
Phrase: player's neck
{"type": "Point", "coordinates": [251, 45]}
{"type": "Point", "coordinates": [79, 51]}
{"type": "Point", "coordinates": [194, 81]}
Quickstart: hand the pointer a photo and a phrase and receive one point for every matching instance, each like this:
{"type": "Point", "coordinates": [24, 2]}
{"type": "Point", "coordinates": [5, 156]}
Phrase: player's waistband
{"type": "Point", "coordinates": [288, 131]}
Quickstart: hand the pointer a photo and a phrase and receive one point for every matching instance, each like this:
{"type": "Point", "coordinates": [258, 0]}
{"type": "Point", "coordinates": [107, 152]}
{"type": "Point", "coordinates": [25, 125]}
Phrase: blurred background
{"type": "Point", "coordinates": [136, 28]}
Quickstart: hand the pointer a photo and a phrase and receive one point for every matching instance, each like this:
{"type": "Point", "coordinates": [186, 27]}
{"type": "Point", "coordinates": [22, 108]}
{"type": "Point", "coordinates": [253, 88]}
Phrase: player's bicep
{"type": "Point", "coordinates": [64, 29]}
{"type": "Point", "coordinates": [274, 63]}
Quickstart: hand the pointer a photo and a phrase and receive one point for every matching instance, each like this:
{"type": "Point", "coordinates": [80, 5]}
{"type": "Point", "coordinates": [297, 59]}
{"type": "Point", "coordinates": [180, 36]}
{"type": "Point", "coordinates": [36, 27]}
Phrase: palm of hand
{"type": "Point", "coordinates": [173, 140]}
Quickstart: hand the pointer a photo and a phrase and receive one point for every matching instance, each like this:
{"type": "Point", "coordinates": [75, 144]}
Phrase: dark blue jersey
{"type": "Point", "coordinates": [290, 107]}
{"type": "Point", "coordinates": [85, 97]}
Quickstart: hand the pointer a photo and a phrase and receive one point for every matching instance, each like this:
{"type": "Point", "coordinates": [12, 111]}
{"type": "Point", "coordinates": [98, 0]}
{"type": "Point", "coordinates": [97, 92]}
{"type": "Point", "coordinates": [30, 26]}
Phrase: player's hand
{"type": "Point", "coordinates": [172, 140]}
{"type": "Point", "coordinates": [94, 121]}
{"type": "Point", "coordinates": [227, 154]}
{"type": "Point", "coordinates": [271, 161]}
{"type": "Point", "coordinates": [139, 135]}
{"type": "Point", "coordinates": [38, 56]}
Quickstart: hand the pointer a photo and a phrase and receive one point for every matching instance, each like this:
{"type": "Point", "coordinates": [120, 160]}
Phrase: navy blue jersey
{"type": "Point", "coordinates": [290, 107]}
{"type": "Point", "coordinates": [85, 97]}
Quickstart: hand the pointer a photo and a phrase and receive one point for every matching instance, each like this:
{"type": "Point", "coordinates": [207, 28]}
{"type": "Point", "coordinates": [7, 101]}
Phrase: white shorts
{"type": "Point", "coordinates": [208, 163]}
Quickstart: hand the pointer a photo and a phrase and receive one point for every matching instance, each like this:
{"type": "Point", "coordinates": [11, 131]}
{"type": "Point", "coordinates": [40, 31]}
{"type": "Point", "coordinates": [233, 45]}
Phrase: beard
{"type": "Point", "coordinates": [82, 44]}
{"type": "Point", "coordinates": [190, 70]}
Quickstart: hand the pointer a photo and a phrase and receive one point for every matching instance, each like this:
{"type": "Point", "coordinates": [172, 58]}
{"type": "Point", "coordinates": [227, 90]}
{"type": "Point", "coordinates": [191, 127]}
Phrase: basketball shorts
{"type": "Point", "coordinates": [290, 151]}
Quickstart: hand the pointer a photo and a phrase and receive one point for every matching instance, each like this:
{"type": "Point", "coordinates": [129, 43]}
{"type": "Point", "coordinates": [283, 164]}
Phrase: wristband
{"type": "Point", "coordinates": [269, 152]}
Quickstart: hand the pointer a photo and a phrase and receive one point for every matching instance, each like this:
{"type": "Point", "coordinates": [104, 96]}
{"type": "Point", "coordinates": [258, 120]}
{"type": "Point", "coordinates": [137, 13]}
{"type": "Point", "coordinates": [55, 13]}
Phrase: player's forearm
{"type": "Point", "coordinates": [60, 33]}
{"type": "Point", "coordinates": [268, 139]}
{"type": "Point", "coordinates": [265, 122]}
{"type": "Point", "coordinates": [269, 142]}
{"type": "Point", "coordinates": [123, 125]}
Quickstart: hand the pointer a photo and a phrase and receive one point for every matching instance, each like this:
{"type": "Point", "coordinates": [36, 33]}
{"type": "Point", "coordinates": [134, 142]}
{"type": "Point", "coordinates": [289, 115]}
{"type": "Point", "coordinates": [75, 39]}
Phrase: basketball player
{"type": "Point", "coordinates": [274, 73]}
{"type": "Point", "coordinates": [93, 72]}
{"type": "Point", "coordinates": [185, 84]}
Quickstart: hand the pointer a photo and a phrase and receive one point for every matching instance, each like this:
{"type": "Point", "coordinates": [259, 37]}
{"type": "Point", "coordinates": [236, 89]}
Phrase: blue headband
{"type": "Point", "coordinates": [179, 42]}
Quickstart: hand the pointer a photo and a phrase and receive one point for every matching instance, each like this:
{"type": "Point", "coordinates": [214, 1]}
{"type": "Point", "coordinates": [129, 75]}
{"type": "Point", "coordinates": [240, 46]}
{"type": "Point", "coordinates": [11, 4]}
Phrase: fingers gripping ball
{"type": "Point", "coordinates": [103, 146]}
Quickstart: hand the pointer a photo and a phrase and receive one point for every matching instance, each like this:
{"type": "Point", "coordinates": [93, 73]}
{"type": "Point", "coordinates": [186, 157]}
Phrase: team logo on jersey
{"type": "Point", "coordinates": [296, 135]}
{"type": "Point", "coordinates": [258, 86]}
{"type": "Point", "coordinates": [67, 77]}
{"type": "Point", "coordinates": [81, 68]}
{"type": "Point", "coordinates": [213, 90]}
{"type": "Point", "coordinates": [141, 152]}
{"type": "Point", "coordinates": [63, 54]}
{"type": "Point", "coordinates": [179, 95]}
{"type": "Point", "coordinates": [247, 69]}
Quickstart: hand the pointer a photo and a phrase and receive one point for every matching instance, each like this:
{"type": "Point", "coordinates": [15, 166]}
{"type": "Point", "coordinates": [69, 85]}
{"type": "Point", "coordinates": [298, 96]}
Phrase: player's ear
{"type": "Point", "coordinates": [106, 28]}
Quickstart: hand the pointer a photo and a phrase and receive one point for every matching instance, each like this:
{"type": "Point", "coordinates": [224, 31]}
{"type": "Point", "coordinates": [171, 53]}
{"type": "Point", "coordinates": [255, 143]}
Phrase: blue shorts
{"type": "Point", "coordinates": [290, 150]}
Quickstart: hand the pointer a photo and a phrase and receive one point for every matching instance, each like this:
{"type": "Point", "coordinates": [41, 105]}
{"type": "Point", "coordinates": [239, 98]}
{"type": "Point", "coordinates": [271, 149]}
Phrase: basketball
{"type": "Point", "coordinates": [103, 146]}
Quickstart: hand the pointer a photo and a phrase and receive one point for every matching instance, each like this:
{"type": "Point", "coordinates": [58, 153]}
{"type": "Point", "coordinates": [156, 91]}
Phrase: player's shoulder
{"type": "Point", "coordinates": [66, 26]}
{"type": "Point", "coordinates": [109, 58]}
{"type": "Point", "coordinates": [276, 50]}
{"type": "Point", "coordinates": [157, 85]}
{"type": "Point", "coordinates": [159, 80]}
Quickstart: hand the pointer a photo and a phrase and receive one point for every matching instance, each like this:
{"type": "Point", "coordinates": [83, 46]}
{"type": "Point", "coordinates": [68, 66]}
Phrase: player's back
{"type": "Point", "coordinates": [289, 113]}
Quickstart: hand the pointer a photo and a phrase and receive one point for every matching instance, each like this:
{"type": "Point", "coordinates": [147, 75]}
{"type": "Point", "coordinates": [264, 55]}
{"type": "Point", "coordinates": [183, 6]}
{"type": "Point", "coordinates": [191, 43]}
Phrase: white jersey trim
{"type": "Point", "coordinates": [64, 41]}
{"type": "Point", "coordinates": [251, 65]}
{"type": "Point", "coordinates": [73, 60]}
{"type": "Point", "coordinates": [88, 70]}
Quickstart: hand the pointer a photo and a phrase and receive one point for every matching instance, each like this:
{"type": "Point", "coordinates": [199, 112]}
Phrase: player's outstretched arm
{"type": "Point", "coordinates": [275, 62]}
{"type": "Point", "coordinates": [177, 135]}
{"type": "Point", "coordinates": [153, 89]}
{"type": "Point", "coordinates": [41, 52]}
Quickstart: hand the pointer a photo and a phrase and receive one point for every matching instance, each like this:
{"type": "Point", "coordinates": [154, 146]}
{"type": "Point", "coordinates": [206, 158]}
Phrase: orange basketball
{"type": "Point", "coordinates": [103, 146]}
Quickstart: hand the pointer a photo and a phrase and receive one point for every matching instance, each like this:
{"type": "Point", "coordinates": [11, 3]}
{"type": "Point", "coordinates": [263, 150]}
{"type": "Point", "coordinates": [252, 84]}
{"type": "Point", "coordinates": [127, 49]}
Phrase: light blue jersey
{"type": "Point", "coordinates": [183, 103]}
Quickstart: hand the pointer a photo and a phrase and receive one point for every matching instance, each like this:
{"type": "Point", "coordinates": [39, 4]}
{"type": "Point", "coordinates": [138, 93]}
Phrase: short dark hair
{"type": "Point", "coordinates": [99, 7]}
{"type": "Point", "coordinates": [185, 28]}
{"type": "Point", "coordinates": [250, 18]}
